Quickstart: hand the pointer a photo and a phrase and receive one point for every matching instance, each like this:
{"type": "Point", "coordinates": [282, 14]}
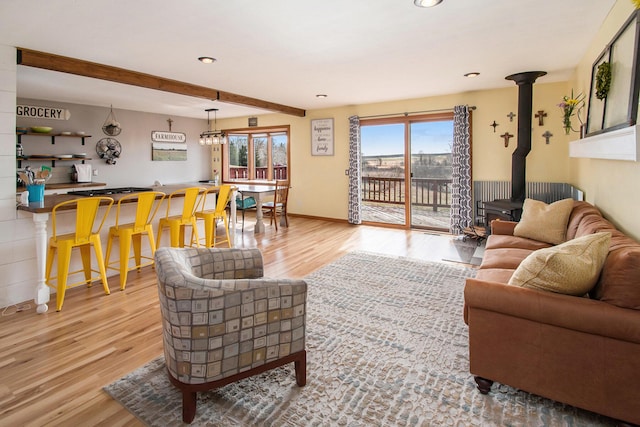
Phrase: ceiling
{"type": "Point", "coordinates": [288, 51]}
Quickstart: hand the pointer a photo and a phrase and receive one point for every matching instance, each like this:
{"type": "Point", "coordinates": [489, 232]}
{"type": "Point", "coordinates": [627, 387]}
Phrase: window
{"type": "Point", "coordinates": [257, 154]}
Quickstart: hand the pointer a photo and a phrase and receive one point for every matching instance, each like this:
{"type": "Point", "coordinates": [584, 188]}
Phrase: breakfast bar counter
{"type": "Point", "coordinates": [41, 210]}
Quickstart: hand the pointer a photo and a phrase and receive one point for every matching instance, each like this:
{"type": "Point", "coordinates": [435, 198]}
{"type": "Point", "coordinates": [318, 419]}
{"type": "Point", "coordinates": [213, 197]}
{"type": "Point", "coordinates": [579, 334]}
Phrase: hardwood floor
{"type": "Point", "coordinates": [53, 366]}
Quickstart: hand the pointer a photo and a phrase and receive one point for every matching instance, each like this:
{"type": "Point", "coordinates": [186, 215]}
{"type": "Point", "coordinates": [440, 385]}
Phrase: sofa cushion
{"type": "Point", "coordinates": [570, 268]}
{"type": "Point", "coordinates": [505, 241]}
{"type": "Point", "coordinates": [504, 258]}
{"type": "Point", "coordinates": [546, 223]}
{"type": "Point", "coordinates": [500, 275]}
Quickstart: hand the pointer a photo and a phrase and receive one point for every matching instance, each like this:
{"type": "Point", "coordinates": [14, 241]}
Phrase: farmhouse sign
{"type": "Point", "coordinates": [163, 136]}
{"type": "Point", "coordinates": [41, 112]}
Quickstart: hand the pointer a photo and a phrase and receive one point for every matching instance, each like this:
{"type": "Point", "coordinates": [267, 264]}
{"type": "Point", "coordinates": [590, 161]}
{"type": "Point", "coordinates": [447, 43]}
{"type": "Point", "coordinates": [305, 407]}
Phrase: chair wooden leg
{"type": "Point", "coordinates": [189, 399]}
{"type": "Point", "coordinates": [273, 220]}
{"type": "Point", "coordinates": [301, 370]}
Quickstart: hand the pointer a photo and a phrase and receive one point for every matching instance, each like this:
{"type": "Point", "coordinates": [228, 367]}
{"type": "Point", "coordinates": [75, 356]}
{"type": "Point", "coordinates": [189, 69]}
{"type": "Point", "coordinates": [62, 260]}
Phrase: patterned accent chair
{"type": "Point", "coordinates": [222, 321]}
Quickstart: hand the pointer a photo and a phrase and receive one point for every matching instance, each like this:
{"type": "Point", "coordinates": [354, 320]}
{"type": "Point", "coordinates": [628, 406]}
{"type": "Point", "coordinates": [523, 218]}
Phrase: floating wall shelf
{"type": "Point", "coordinates": [621, 144]}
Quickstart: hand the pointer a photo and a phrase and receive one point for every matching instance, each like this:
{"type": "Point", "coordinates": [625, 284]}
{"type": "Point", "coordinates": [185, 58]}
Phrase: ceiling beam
{"type": "Point", "coordinates": [94, 70]}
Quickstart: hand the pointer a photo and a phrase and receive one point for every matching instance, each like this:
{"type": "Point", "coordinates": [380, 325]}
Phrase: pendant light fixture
{"type": "Point", "coordinates": [211, 137]}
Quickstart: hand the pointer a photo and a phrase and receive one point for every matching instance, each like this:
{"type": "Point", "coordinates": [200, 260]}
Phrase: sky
{"type": "Point", "coordinates": [426, 137]}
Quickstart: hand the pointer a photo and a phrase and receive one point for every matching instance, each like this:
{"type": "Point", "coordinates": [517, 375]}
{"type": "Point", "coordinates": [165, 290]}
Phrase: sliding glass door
{"type": "Point", "coordinates": [383, 173]}
{"type": "Point", "coordinates": [407, 171]}
{"type": "Point", "coordinates": [431, 173]}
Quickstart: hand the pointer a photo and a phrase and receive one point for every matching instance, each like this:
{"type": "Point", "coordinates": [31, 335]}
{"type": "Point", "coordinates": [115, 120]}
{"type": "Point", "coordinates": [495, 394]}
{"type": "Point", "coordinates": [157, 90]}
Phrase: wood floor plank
{"type": "Point", "coordinates": [53, 366]}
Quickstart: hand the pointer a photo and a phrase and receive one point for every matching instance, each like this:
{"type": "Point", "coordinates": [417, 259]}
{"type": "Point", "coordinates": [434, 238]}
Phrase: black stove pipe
{"type": "Point", "coordinates": [519, 157]}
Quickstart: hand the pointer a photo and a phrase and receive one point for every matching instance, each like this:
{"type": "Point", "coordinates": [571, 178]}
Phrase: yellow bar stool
{"type": "Point", "coordinates": [211, 217]}
{"type": "Point", "coordinates": [84, 238]}
{"type": "Point", "coordinates": [177, 223]}
{"type": "Point", "coordinates": [147, 205]}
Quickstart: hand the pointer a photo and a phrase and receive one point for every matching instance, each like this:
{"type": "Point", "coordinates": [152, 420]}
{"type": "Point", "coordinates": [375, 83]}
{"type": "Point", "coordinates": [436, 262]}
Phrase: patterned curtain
{"type": "Point", "coordinates": [461, 212]}
{"type": "Point", "coordinates": [355, 182]}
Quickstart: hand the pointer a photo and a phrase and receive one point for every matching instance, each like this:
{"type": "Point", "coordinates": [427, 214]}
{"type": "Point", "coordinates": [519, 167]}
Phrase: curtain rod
{"type": "Point", "coordinates": [473, 107]}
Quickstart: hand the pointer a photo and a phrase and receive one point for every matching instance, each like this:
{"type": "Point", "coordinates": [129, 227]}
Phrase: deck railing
{"type": "Point", "coordinates": [242, 172]}
{"type": "Point", "coordinates": [435, 193]}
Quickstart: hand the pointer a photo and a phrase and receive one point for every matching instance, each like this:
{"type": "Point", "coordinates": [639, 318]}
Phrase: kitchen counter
{"type": "Point", "coordinates": [66, 186]}
{"type": "Point", "coordinates": [40, 214]}
{"type": "Point", "coordinates": [50, 200]}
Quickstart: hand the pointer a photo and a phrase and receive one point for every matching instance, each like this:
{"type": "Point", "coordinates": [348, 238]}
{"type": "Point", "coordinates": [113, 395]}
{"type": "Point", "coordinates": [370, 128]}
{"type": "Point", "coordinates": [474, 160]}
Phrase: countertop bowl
{"type": "Point", "coordinates": [41, 129]}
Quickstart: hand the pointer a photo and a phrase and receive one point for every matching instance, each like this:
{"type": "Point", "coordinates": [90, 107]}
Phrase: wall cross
{"type": "Point", "coordinates": [540, 115]}
{"type": "Point", "coordinates": [511, 115]}
{"type": "Point", "coordinates": [506, 136]}
{"type": "Point", "coordinates": [494, 124]}
{"type": "Point", "coordinates": [546, 136]}
{"type": "Point", "coordinates": [170, 122]}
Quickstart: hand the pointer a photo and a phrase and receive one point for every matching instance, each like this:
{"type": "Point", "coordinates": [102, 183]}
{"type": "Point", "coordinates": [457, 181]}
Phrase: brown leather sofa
{"type": "Point", "coordinates": [582, 351]}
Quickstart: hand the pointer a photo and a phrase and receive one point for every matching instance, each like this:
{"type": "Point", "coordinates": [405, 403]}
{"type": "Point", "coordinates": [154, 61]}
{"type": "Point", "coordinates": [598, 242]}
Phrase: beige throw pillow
{"type": "Point", "coordinates": [570, 268]}
{"type": "Point", "coordinates": [546, 223]}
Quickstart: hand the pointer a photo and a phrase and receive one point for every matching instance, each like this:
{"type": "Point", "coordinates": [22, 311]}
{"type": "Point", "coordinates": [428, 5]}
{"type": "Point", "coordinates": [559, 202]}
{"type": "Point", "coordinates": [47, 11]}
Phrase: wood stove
{"type": "Point", "coordinates": [511, 209]}
{"type": "Point", "coordinates": [503, 209]}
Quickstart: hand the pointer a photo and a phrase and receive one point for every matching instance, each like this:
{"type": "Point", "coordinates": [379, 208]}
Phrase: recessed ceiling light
{"type": "Point", "coordinates": [207, 59]}
{"type": "Point", "coordinates": [321, 95]}
{"type": "Point", "coordinates": [426, 3]}
{"type": "Point", "coordinates": [473, 74]}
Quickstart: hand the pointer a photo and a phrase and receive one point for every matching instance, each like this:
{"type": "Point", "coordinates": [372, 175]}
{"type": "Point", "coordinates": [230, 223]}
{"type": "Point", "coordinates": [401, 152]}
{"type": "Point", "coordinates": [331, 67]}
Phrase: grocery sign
{"type": "Point", "coordinates": [40, 112]}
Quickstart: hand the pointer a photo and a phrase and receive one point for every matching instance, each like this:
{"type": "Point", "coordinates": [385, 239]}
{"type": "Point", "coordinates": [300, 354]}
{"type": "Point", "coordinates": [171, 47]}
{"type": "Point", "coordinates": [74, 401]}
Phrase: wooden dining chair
{"type": "Point", "coordinates": [244, 204]}
{"type": "Point", "coordinates": [279, 203]}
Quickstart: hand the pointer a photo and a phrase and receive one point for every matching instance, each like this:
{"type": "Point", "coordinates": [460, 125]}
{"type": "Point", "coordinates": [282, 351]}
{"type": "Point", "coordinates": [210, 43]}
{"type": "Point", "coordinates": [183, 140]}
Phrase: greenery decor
{"type": "Point", "coordinates": [570, 105]}
{"type": "Point", "coordinates": [603, 80]}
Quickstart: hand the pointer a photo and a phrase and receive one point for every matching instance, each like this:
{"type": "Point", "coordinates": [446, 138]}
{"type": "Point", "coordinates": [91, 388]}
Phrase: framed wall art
{"type": "Point", "coordinates": [322, 137]}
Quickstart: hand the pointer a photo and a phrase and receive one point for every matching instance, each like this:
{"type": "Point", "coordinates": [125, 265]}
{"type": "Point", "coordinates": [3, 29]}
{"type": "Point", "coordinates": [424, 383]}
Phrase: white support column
{"type": "Point", "coordinates": [42, 290]}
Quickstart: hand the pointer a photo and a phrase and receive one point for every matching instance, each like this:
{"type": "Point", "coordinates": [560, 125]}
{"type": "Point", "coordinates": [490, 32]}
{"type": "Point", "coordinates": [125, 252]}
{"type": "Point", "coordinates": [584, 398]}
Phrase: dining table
{"type": "Point", "coordinates": [41, 211]}
{"type": "Point", "coordinates": [259, 192]}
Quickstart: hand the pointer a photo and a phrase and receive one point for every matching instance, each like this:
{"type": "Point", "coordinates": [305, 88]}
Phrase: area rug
{"type": "Point", "coordinates": [387, 346]}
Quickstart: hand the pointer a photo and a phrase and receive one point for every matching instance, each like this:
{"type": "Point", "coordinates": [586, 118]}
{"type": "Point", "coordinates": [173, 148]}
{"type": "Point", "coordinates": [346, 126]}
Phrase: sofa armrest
{"type": "Point", "coordinates": [499, 226]}
{"type": "Point", "coordinates": [565, 311]}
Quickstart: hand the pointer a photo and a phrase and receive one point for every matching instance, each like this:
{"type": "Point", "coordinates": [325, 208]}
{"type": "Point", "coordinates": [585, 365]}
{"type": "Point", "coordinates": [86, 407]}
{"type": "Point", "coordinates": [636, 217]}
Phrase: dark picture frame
{"type": "Point", "coordinates": [619, 109]}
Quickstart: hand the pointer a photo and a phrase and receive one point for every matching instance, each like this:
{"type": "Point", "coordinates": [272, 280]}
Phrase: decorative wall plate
{"type": "Point", "coordinates": [108, 149]}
